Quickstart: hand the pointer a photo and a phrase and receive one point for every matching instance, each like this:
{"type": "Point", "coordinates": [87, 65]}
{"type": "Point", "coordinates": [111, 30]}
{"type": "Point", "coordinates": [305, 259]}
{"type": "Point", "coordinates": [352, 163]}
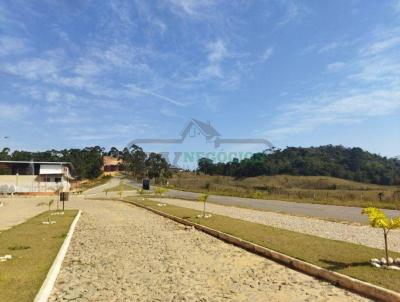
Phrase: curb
{"type": "Point", "coordinates": [354, 285]}
{"type": "Point", "coordinates": [47, 286]}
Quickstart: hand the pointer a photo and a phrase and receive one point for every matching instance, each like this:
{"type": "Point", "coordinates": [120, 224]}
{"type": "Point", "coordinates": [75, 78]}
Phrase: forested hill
{"type": "Point", "coordinates": [337, 161]}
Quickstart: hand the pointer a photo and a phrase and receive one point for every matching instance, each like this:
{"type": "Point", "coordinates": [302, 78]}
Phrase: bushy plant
{"type": "Point", "coordinates": [160, 191]}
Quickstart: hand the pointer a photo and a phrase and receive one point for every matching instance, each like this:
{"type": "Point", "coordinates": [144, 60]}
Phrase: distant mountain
{"type": "Point", "coordinates": [336, 161]}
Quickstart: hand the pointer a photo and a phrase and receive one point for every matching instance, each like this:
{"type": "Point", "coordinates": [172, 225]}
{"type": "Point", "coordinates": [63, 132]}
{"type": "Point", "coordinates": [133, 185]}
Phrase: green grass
{"type": "Point", "coordinates": [33, 247]}
{"type": "Point", "coordinates": [305, 189]}
{"type": "Point", "coordinates": [342, 257]}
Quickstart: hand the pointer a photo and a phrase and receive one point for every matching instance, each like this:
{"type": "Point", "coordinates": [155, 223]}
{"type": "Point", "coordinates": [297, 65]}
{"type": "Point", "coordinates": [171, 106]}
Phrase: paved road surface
{"type": "Point", "coordinates": [339, 213]}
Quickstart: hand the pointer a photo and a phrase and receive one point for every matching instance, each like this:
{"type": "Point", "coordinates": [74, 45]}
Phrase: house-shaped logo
{"type": "Point", "coordinates": [195, 128]}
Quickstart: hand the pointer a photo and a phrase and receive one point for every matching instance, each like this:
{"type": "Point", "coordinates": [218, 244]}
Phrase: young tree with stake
{"type": "Point", "coordinates": [378, 219]}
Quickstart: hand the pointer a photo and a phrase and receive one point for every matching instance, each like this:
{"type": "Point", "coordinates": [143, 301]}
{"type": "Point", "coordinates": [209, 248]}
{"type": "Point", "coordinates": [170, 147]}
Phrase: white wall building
{"type": "Point", "coordinates": [30, 176]}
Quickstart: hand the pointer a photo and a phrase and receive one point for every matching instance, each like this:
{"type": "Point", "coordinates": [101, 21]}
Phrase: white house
{"type": "Point", "coordinates": [30, 176]}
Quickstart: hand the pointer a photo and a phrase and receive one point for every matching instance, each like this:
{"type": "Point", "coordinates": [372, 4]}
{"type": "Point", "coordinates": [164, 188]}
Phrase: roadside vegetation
{"type": "Point", "coordinates": [309, 189]}
{"type": "Point", "coordinates": [33, 247]}
{"type": "Point", "coordinates": [342, 257]}
{"type": "Point", "coordinates": [91, 183]}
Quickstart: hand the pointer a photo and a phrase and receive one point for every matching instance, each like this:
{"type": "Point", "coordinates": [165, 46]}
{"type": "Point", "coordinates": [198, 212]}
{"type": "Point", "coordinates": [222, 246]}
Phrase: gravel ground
{"type": "Point", "coordinates": [123, 253]}
{"type": "Point", "coordinates": [360, 234]}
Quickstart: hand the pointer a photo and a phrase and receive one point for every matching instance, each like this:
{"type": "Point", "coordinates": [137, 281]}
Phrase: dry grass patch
{"type": "Point", "coordinates": [89, 184]}
{"type": "Point", "coordinates": [308, 189]}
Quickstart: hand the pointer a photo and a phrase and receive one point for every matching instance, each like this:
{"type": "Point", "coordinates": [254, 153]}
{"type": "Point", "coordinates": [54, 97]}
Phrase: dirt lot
{"type": "Point", "coordinates": [15, 210]}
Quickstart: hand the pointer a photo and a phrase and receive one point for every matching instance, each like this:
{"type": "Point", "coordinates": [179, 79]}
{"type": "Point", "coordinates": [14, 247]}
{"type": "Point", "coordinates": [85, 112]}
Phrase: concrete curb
{"type": "Point", "coordinates": [47, 286]}
{"type": "Point", "coordinates": [360, 287]}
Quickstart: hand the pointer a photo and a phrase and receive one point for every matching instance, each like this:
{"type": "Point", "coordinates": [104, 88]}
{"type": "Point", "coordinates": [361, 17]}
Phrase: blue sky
{"type": "Point", "coordinates": [298, 73]}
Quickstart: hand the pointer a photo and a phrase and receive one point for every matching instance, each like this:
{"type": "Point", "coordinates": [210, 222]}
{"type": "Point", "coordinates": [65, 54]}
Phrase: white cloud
{"type": "Point", "coordinates": [384, 69]}
{"type": "Point", "coordinates": [328, 47]}
{"type": "Point", "coordinates": [294, 10]}
{"type": "Point", "coordinates": [68, 118]}
{"type": "Point", "coordinates": [52, 96]}
{"type": "Point", "coordinates": [137, 89]}
{"type": "Point", "coordinates": [396, 6]}
{"type": "Point", "coordinates": [369, 88]}
{"type": "Point", "coordinates": [267, 54]}
{"type": "Point", "coordinates": [337, 109]}
{"type": "Point", "coordinates": [13, 46]}
{"type": "Point", "coordinates": [216, 54]}
{"type": "Point", "coordinates": [12, 111]}
{"type": "Point", "coordinates": [217, 51]}
{"type": "Point", "coordinates": [335, 67]}
{"type": "Point", "coordinates": [193, 8]}
{"type": "Point", "coordinates": [210, 71]}
{"type": "Point", "coordinates": [32, 69]}
{"type": "Point", "coordinates": [88, 68]}
{"type": "Point", "coordinates": [382, 45]}
{"type": "Point", "coordinates": [8, 20]}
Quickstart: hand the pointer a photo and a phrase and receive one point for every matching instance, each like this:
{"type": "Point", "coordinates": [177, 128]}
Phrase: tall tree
{"type": "Point", "coordinates": [157, 167]}
{"type": "Point", "coordinates": [136, 162]}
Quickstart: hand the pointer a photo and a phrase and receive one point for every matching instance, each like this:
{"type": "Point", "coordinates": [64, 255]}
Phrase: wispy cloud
{"type": "Point", "coordinates": [217, 51]}
{"type": "Point", "coordinates": [140, 90]}
{"type": "Point", "coordinates": [328, 47]}
{"type": "Point", "coordinates": [382, 45]}
{"type": "Point", "coordinates": [335, 109]}
{"type": "Point", "coordinates": [335, 67]}
{"type": "Point", "coordinates": [32, 69]}
{"type": "Point", "coordinates": [10, 111]}
{"type": "Point", "coordinates": [13, 46]}
{"type": "Point", "coordinates": [293, 10]}
{"type": "Point", "coordinates": [396, 6]}
{"type": "Point", "coordinates": [8, 21]}
{"type": "Point", "coordinates": [374, 70]}
{"type": "Point", "coordinates": [192, 8]}
{"type": "Point", "coordinates": [266, 54]}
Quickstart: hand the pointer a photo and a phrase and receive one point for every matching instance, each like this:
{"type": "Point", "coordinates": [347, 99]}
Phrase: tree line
{"type": "Point", "coordinates": [140, 164]}
{"type": "Point", "coordinates": [336, 161]}
{"type": "Point", "coordinates": [87, 162]}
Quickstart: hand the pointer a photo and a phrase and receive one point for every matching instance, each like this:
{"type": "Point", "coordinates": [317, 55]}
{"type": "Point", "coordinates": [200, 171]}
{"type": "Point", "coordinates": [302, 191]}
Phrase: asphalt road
{"type": "Point", "coordinates": [331, 212]}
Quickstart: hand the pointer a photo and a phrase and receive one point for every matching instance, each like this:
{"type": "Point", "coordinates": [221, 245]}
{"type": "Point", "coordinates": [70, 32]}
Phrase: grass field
{"type": "Point", "coordinates": [33, 247]}
{"type": "Point", "coordinates": [309, 189]}
{"type": "Point", "coordinates": [342, 257]}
